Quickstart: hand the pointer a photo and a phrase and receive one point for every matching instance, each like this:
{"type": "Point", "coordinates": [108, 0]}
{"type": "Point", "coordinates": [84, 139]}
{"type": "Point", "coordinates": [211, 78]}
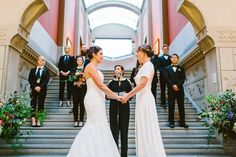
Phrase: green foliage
{"type": "Point", "coordinates": [14, 111]}
{"type": "Point", "coordinates": [41, 116]}
{"type": "Point", "coordinates": [221, 113]}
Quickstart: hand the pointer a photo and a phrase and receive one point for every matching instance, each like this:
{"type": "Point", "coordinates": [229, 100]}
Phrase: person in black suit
{"type": "Point", "coordinates": [175, 77]}
{"type": "Point", "coordinates": [38, 79]}
{"type": "Point", "coordinates": [65, 66]}
{"type": "Point", "coordinates": [79, 91]}
{"type": "Point", "coordinates": [164, 61]}
{"type": "Point", "coordinates": [119, 113]}
{"type": "Point", "coordinates": [134, 72]}
{"type": "Point", "coordinates": [154, 59]}
{"type": "Point", "coordinates": [84, 55]}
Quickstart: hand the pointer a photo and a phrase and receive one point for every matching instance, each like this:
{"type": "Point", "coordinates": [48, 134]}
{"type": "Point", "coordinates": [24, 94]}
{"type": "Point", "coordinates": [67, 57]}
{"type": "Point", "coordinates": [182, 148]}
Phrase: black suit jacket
{"type": "Point", "coordinates": [66, 65]}
{"type": "Point", "coordinates": [163, 63]}
{"type": "Point", "coordinates": [43, 80]}
{"type": "Point", "coordinates": [86, 62]}
{"type": "Point", "coordinates": [174, 78]}
{"type": "Point", "coordinates": [155, 61]}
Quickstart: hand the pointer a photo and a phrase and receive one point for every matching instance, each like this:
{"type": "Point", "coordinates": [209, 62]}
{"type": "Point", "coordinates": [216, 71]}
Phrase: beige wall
{"type": "Point", "coordinates": [15, 27]}
{"type": "Point", "coordinates": [195, 85]}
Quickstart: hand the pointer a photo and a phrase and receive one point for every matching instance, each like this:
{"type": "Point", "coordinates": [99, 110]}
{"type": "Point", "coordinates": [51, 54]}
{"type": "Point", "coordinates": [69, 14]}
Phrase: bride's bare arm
{"type": "Point", "coordinates": [140, 86]}
{"type": "Point", "coordinates": [93, 73]}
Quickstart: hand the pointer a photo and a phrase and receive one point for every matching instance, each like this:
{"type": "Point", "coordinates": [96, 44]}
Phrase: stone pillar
{"type": "Point", "coordinates": [149, 16]}
{"type": "Point", "coordinates": [60, 34]}
{"type": "Point", "coordinates": [164, 22]}
{"type": "Point", "coordinates": [77, 28]}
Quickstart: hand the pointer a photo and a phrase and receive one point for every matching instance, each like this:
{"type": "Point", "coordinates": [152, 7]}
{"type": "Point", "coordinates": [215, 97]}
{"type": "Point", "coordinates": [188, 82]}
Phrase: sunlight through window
{"type": "Point", "coordinates": [115, 48]}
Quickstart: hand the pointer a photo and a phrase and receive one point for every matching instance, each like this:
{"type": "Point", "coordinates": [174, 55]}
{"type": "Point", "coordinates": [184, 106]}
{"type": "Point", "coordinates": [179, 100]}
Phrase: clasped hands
{"type": "Point", "coordinates": [123, 98]}
{"type": "Point", "coordinates": [65, 73]}
{"type": "Point", "coordinates": [175, 88]}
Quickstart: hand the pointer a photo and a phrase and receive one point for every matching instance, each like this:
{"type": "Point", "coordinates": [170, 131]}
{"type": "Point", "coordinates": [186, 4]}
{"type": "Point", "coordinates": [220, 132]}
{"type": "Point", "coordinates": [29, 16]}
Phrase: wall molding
{"type": "Point", "coordinates": [31, 56]}
{"type": "Point", "coordinates": [191, 58]}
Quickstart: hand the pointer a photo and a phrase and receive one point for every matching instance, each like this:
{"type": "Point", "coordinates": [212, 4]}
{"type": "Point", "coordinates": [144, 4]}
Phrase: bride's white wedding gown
{"type": "Point", "coordinates": [95, 138]}
{"type": "Point", "coordinates": [147, 131]}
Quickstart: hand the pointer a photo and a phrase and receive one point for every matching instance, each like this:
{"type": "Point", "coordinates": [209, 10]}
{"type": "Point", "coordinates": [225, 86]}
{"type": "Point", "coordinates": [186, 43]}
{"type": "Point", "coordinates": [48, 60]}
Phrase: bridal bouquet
{"type": "Point", "coordinates": [77, 78]}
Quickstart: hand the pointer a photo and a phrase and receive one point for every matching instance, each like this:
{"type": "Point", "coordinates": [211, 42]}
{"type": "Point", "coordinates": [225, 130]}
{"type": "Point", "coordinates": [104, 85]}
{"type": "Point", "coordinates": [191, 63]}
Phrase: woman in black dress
{"type": "Point", "coordinates": [79, 91]}
{"type": "Point", "coordinates": [119, 113]}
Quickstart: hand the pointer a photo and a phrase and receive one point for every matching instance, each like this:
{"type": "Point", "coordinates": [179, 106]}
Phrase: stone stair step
{"type": "Point", "coordinates": [64, 148]}
{"type": "Point", "coordinates": [65, 130]}
{"type": "Point", "coordinates": [55, 137]}
{"type": "Point", "coordinates": [132, 116]}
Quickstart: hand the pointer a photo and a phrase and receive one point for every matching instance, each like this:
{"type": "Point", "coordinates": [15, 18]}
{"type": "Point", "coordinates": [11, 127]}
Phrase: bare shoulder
{"type": "Point", "coordinates": [90, 68]}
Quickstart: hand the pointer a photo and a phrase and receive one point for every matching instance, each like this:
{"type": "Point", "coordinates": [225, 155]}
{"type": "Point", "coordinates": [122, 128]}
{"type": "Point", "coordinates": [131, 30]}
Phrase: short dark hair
{"type": "Point", "coordinates": [175, 54]}
{"type": "Point", "coordinates": [80, 56]}
{"type": "Point", "coordinates": [92, 50]}
{"type": "Point", "coordinates": [164, 45]}
{"type": "Point", "coordinates": [121, 67]}
{"type": "Point", "coordinates": [146, 49]}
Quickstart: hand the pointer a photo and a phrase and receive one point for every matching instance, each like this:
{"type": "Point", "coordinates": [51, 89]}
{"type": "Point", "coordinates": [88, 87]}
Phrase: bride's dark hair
{"type": "Point", "coordinates": [146, 49]}
{"type": "Point", "coordinates": [92, 50]}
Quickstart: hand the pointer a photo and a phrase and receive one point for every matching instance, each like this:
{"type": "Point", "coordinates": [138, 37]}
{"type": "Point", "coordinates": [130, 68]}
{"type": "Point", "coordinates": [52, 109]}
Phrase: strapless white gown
{"type": "Point", "coordinates": [95, 138]}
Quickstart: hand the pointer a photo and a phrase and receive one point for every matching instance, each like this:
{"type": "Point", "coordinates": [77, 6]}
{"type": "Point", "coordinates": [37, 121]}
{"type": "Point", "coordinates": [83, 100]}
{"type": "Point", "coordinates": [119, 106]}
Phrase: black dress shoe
{"type": "Point", "coordinates": [183, 125]}
{"type": "Point", "coordinates": [172, 125]}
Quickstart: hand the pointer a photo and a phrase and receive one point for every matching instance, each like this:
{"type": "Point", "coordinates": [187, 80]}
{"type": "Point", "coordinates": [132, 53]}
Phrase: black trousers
{"type": "Point", "coordinates": [78, 101]}
{"type": "Point", "coordinates": [37, 101]}
{"type": "Point", "coordinates": [163, 85]}
{"type": "Point", "coordinates": [119, 123]}
{"type": "Point", "coordinates": [63, 81]}
{"type": "Point", "coordinates": [179, 96]}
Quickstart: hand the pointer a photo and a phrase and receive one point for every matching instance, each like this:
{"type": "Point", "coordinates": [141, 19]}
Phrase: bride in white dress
{"type": "Point", "coordinates": [147, 131]}
{"type": "Point", "coordinates": [95, 138]}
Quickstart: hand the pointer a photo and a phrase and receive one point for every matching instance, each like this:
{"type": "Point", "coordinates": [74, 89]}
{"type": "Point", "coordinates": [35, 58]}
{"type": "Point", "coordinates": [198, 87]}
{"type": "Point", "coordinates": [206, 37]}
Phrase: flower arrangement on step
{"type": "Point", "coordinates": [221, 113]}
{"type": "Point", "coordinates": [41, 116]}
{"type": "Point", "coordinates": [77, 78]}
{"type": "Point", "coordinates": [14, 110]}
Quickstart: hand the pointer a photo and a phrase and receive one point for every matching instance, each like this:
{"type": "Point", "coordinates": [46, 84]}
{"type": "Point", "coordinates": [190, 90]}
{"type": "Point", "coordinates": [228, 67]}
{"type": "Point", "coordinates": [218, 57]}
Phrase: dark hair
{"type": "Point", "coordinates": [146, 49]}
{"type": "Point", "coordinates": [121, 67]}
{"type": "Point", "coordinates": [164, 45]}
{"type": "Point", "coordinates": [92, 50]}
{"type": "Point", "coordinates": [80, 56]}
{"type": "Point", "coordinates": [175, 54]}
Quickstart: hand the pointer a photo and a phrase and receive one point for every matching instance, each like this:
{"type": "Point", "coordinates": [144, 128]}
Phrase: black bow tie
{"type": "Point", "coordinates": [175, 66]}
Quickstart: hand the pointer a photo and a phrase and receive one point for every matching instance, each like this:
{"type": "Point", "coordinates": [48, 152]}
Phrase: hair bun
{"type": "Point", "coordinates": [91, 50]}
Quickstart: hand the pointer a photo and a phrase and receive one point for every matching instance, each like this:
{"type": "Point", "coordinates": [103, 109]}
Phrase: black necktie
{"type": "Point", "coordinates": [38, 73]}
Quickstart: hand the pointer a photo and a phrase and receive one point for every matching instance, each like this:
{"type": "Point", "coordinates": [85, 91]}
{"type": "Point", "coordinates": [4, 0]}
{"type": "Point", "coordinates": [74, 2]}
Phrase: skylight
{"type": "Point", "coordinates": [137, 3]}
{"type": "Point", "coordinates": [114, 15]}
